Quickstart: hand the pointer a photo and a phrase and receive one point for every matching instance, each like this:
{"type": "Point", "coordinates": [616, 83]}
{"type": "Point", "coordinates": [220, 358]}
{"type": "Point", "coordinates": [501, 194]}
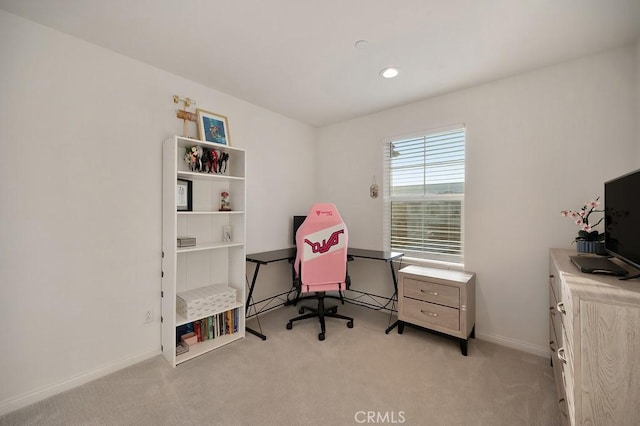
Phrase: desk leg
{"type": "Point", "coordinates": [295, 300]}
{"type": "Point", "coordinates": [395, 296]}
{"type": "Point", "coordinates": [246, 308]}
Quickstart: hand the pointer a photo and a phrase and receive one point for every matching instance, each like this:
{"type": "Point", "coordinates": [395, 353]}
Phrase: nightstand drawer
{"type": "Point", "coordinates": [429, 314]}
{"type": "Point", "coordinates": [432, 292]}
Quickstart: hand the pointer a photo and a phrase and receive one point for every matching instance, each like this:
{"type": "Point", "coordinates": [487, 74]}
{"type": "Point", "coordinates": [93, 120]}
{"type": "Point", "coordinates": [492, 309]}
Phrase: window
{"type": "Point", "coordinates": [424, 195]}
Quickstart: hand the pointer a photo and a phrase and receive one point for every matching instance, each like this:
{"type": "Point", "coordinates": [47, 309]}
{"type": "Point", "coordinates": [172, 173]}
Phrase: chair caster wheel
{"type": "Point", "coordinates": [350, 324]}
{"type": "Point", "coordinates": [321, 336]}
{"type": "Point", "coordinates": [289, 326]}
{"type": "Point", "coordinates": [301, 311]}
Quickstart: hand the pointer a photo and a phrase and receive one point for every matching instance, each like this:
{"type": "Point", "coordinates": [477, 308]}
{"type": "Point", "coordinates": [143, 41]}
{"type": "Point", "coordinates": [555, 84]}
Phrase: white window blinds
{"type": "Point", "coordinates": [424, 195]}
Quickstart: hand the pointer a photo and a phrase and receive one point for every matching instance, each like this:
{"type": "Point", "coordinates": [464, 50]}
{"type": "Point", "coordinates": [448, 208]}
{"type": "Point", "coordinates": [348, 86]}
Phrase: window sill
{"type": "Point", "coordinates": [432, 263]}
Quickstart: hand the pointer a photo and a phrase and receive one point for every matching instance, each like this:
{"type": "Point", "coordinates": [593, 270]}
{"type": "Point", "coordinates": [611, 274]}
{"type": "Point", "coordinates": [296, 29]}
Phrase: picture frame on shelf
{"type": "Point", "coordinates": [213, 127]}
{"type": "Point", "coordinates": [226, 234]}
{"type": "Point", "coordinates": [184, 195]}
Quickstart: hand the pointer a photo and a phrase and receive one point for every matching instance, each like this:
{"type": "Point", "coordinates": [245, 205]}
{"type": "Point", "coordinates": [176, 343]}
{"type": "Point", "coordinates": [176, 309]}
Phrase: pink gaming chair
{"type": "Point", "coordinates": [321, 262]}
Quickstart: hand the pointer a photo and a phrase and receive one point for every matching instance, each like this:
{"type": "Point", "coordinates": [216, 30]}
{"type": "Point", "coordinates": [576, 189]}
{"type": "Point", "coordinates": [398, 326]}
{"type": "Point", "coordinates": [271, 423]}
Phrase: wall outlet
{"type": "Point", "coordinates": [148, 316]}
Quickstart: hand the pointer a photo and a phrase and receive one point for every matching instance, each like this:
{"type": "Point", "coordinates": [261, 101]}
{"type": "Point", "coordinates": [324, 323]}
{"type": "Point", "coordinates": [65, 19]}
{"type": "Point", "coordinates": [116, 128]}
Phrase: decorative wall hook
{"type": "Point", "coordinates": [186, 101]}
{"type": "Point", "coordinates": [373, 189]}
{"type": "Point", "coordinates": [183, 114]}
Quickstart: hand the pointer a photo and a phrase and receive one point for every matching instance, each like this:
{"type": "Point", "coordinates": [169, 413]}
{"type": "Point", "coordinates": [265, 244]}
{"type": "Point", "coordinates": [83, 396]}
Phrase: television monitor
{"type": "Point", "coordinates": [622, 218]}
{"type": "Point", "coordinates": [297, 221]}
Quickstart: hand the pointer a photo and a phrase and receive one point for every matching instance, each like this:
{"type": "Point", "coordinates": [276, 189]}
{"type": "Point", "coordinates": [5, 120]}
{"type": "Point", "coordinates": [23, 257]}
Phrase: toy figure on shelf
{"type": "Point", "coordinates": [208, 163]}
{"type": "Point", "coordinates": [193, 158]}
{"type": "Point", "coordinates": [190, 159]}
{"type": "Point", "coordinates": [215, 157]}
{"type": "Point", "coordinates": [225, 204]}
{"type": "Point", "coordinates": [222, 162]}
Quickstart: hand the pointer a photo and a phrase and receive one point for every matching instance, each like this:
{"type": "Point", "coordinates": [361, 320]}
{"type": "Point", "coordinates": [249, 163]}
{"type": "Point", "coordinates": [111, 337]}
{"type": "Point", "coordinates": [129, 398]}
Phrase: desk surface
{"type": "Point", "coordinates": [290, 253]}
{"type": "Point", "coordinates": [374, 254]}
{"type": "Point", "coordinates": [272, 256]}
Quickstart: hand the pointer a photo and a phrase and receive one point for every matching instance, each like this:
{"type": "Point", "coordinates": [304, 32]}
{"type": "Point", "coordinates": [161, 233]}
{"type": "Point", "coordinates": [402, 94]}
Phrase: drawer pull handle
{"type": "Point", "coordinates": [561, 355]}
{"type": "Point", "coordinates": [431, 314]}
{"type": "Point", "coordinates": [560, 308]}
{"type": "Point", "coordinates": [433, 293]}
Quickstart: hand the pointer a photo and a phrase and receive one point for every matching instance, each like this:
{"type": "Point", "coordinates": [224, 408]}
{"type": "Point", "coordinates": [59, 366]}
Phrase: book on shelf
{"type": "Point", "coordinates": [197, 330]}
{"type": "Point", "coordinates": [229, 322]}
{"type": "Point", "coordinates": [235, 320]}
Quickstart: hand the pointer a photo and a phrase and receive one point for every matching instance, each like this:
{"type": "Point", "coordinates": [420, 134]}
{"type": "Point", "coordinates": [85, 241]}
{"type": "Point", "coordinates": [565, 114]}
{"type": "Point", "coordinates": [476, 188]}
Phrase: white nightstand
{"type": "Point", "coordinates": [438, 299]}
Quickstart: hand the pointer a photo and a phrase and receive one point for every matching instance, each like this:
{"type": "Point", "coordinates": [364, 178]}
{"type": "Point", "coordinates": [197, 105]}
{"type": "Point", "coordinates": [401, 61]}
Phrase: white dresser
{"type": "Point", "coordinates": [439, 300]}
{"type": "Point", "coordinates": [594, 330]}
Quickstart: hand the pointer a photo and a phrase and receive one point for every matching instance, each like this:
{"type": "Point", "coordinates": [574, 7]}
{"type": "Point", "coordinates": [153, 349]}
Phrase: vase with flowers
{"type": "Point", "coordinates": [589, 240]}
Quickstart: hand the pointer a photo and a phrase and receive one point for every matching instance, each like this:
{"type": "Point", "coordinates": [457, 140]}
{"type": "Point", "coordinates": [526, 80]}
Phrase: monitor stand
{"type": "Point", "coordinates": [630, 277]}
{"type": "Point", "coordinates": [598, 265]}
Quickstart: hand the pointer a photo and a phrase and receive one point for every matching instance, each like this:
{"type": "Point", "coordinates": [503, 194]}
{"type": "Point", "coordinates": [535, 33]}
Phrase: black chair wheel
{"type": "Point", "coordinates": [289, 326]}
{"type": "Point", "coordinates": [350, 324]}
{"type": "Point", "coordinates": [321, 336]}
{"type": "Point", "coordinates": [301, 311]}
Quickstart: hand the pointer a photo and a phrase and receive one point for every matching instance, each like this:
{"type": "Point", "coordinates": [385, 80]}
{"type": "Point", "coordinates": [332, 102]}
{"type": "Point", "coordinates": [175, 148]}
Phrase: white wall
{"type": "Point", "coordinates": [537, 143]}
{"type": "Point", "coordinates": [81, 130]}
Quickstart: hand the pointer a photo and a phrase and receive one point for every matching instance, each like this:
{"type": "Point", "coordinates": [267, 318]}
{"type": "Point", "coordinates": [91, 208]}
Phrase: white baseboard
{"type": "Point", "coordinates": [542, 351]}
{"type": "Point", "coordinates": [29, 398]}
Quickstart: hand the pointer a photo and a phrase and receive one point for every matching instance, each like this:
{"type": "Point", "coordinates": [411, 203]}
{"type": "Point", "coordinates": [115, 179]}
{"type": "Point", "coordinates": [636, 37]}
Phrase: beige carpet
{"type": "Point", "coordinates": [356, 376]}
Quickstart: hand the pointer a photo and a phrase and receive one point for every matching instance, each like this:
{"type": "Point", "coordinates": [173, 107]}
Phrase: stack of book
{"type": "Point", "coordinates": [210, 327]}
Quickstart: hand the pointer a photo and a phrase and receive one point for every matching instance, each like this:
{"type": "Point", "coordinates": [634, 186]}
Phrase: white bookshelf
{"type": "Point", "coordinates": [211, 260]}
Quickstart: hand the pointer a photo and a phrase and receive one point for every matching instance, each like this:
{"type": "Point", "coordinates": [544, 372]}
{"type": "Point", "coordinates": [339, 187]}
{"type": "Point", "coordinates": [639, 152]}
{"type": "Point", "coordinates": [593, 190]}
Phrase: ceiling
{"type": "Point", "coordinates": [298, 57]}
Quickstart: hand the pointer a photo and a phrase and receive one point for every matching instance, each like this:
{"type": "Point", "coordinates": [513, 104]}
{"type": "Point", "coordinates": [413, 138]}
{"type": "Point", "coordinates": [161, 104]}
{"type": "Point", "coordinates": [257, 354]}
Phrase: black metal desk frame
{"type": "Point", "coordinates": [289, 254]}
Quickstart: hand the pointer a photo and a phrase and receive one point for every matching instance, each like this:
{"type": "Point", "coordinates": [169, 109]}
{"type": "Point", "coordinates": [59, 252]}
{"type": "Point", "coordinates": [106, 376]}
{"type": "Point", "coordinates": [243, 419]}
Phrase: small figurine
{"type": "Point", "coordinates": [193, 158]}
{"type": "Point", "coordinates": [215, 155]}
{"type": "Point", "coordinates": [222, 162]}
{"type": "Point", "coordinates": [207, 161]}
{"type": "Point", "coordinates": [225, 204]}
{"type": "Point", "coordinates": [190, 159]}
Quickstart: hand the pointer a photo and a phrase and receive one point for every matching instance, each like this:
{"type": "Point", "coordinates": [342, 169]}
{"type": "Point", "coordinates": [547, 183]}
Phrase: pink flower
{"type": "Point", "coordinates": [585, 222]}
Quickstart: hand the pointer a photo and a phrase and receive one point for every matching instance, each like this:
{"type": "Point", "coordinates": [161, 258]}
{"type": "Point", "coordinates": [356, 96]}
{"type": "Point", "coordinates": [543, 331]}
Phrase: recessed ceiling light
{"type": "Point", "coordinates": [361, 44]}
{"type": "Point", "coordinates": [389, 72]}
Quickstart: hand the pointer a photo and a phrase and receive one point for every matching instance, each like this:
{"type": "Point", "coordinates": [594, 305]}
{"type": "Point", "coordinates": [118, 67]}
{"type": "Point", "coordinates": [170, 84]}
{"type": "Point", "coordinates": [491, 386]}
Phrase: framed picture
{"type": "Point", "coordinates": [213, 127]}
{"type": "Point", "coordinates": [184, 195]}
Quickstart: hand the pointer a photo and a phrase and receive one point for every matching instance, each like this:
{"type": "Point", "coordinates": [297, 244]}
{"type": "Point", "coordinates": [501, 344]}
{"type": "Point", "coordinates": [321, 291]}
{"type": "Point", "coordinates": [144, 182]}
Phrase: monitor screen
{"type": "Point", "coordinates": [622, 217]}
{"type": "Point", "coordinates": [297, 221]}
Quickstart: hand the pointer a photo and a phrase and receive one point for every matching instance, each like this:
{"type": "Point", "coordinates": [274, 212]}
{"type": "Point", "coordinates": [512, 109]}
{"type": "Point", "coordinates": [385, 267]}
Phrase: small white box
{"type": "Point", "coordinates": [204, 301]}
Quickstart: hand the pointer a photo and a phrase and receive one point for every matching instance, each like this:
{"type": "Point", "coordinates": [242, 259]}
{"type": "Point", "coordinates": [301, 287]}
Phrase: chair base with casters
{"type": "Point", "coordinates": [321, 312]}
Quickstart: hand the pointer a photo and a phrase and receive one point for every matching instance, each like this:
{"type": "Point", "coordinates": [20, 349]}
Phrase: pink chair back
{"type": "Point", "coordinates": [321, 243]}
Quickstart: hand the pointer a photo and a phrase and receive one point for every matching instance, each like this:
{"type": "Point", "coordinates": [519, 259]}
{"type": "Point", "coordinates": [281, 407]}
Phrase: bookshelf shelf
{"type": "Point", "coordinates": [208, 246]}
{"type": "Point", "coordinates": [180, 320]}
{"type": "Point", "coordinates": [209, 213]}
{"type": "Point", "coordinates": [204, 347]}
{"type": "Point", "coordinates": [213, 260]}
